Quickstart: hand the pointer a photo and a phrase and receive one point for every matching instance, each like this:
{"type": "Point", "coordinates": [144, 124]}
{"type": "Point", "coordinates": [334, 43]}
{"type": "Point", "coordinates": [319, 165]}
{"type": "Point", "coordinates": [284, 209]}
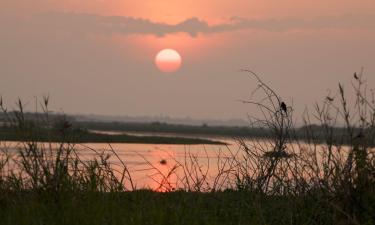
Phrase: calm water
{"type": "Point", "coordinates": [150, 165]}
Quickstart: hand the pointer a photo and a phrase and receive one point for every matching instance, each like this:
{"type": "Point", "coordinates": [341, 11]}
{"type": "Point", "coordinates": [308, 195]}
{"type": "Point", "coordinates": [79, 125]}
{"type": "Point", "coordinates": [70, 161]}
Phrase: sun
{"type": "Point", "coordinates": [168, 60]}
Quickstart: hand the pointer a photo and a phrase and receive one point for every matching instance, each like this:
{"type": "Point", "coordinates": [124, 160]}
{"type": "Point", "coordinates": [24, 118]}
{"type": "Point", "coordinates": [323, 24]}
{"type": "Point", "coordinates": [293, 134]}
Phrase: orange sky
{"type": "Point", "coordinates": [211, 10]}
{"type": "Point", "coordinates": [48, 45]}
{"type": "Point", "coordinates": [175, 11]}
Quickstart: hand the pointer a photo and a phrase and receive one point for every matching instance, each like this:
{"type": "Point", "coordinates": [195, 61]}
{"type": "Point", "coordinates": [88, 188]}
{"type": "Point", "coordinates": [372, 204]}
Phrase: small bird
{"type": "Point", "coordinates": [356, 76]}
{"type": "Point", "coordinates": [163, 162]}
{"type": "Point", "coordinates": [283, 107]}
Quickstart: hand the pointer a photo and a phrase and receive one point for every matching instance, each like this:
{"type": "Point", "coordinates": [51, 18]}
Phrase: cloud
{"type": "Point", "coordinates": [107, 25]}
{"type": "Point", "coordinates": [279, 25]}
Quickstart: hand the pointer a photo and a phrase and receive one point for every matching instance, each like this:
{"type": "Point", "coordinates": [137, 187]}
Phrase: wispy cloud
{"type": "Point", "coordinates": [279, 25]}
{"type": "Point", "coordinates": [107, 25]}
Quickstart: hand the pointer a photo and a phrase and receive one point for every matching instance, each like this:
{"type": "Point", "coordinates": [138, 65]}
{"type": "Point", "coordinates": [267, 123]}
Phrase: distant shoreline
{"type": "Point", "coordinates": [90, 137]}
{"type": "Point", "coordinates": [315, 133]}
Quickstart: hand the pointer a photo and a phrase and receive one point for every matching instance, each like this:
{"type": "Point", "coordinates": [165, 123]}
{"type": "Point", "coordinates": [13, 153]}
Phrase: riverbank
{"type": "Point", "coordinates": [93, 137]}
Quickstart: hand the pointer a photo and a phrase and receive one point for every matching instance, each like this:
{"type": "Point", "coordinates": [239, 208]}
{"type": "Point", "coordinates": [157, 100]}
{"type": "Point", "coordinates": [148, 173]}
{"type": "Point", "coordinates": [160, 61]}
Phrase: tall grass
{"type": "Point", "coordinates": [340, 173]}
{"type": "Point", "coordinates": [307, 181]}
{"type": "Point", "coordinates": [337, 176]}
{"type": "Point", "coordinates": [54, 167]}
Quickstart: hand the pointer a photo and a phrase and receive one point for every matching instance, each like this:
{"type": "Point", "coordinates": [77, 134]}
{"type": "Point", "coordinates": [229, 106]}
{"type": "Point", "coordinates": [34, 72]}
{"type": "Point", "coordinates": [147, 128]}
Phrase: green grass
{"type": "Point", "coordinates": [175, 208]}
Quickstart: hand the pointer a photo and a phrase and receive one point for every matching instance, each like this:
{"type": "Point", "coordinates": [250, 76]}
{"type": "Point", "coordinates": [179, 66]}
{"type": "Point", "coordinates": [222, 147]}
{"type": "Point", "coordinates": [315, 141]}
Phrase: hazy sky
{"type": "Point", "coordinates": [97, 56]}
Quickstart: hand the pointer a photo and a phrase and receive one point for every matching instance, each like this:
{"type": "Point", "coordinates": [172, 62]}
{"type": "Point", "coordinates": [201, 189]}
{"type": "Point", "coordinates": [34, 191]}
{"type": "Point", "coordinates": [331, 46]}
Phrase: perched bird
{"type": "Point", "coordinates": [283, 107]}
{"type": "Point", "coordinates": [356, 76]}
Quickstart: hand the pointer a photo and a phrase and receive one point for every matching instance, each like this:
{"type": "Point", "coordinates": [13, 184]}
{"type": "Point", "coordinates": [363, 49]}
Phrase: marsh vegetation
{"type": "Point", "coordinates": [293, 176]}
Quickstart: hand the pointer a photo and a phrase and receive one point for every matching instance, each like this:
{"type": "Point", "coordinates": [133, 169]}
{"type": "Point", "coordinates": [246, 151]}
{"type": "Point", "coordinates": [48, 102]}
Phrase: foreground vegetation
{"type": "Point", "coordinates": [279, 180]}
{"type": "Point", "coordinates": [153, 208]}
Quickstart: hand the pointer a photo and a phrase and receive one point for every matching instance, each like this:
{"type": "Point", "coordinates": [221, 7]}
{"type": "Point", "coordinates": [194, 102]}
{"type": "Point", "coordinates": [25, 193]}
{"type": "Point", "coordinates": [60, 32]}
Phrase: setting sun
{"type": "Point", "coordinates": [168, 60]}
{"type": "Point", "coordinates": [187, 112]}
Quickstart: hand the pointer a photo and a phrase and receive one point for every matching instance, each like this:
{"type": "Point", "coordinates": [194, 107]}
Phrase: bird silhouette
{"type": "Point", "coordinates": [356, 76]}
{"type": "Point", "coordinates": [163, 162]}
{"type": "Point", "coordinates": [283, 107]}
